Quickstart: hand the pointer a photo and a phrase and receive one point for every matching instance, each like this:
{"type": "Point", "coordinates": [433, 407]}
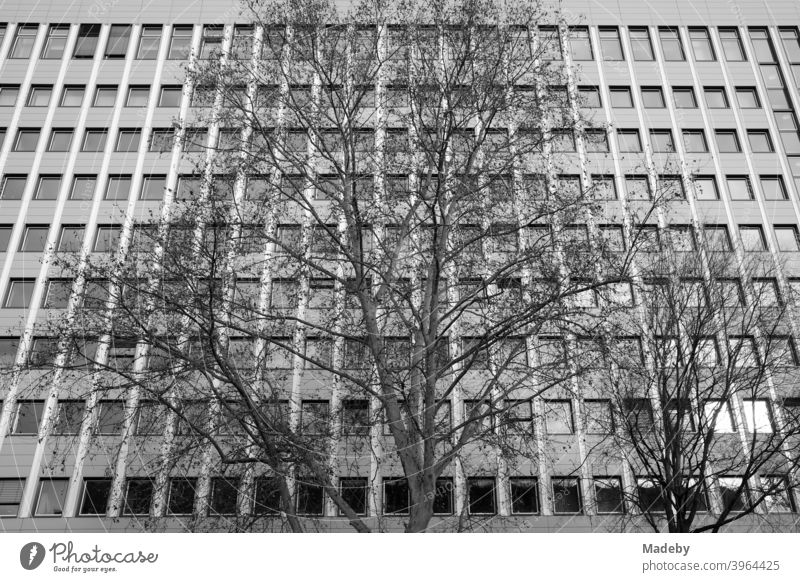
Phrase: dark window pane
{"type": "Point", "coordinates": [524, 495]}
{"type": "Point", "coordinates": [95, 496]}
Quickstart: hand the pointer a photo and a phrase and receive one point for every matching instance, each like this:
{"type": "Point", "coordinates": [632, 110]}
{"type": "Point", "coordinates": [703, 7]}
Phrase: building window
{"type": "Point", "coordinates": [354, 492]}
{"type": "Point", "coordinates": [648, 491]}
{"type": "Point", "coordinates": [118, 38]}
{"type": "Point", "coordinates": [70, 412]}
{"type": "Point", "coordinates": [39, 96]}
{"type": "Point", "coordinates": [128, 140]}
{"type": "Point", "coordinates": [52, 494]}
{"type": "Point", "coordinates": [705, 188]}
{"type": "Point", "coordinates": [60, 140]}
{"type": "Point", "coordinates": [268, 496]}
{"type": "Point", "coordinates": [558, 417]}
{"type": "Point", "coordinates": [747, 98]}
{"type": "Point", "coordinates": [621, 97]}
{"type": "Point", "coordinates": [701, 44]}
{"type": "Point", "coordinates": [149, 42]}
{"type": "Point", "coordinates": [610, 45]}
{"type": "Point", "coordinates": [694, 141]}
{"type": "Point", "coordinates": [762, 45]}
{"type": "Point", "coordinates": [35, 239]}
{"type": "Point", "coordinates": [19, 293]}
{"type": "Point", "coordinates": [481, 491]}
{"type": "Point", "coordinates": [777, 496]}
{"type": "Point", "coordinates": [728, 141]}
{"type": "Point", "coordinates": [596, 141]}
{"type": "Point", "coordinates": [10, 496]}
{"type": "Point", "coordinates": [161, 140]}
{"type": "Point", "coordinates": [580, 44]}
{"type": "Point", "coordinates": [671, 44]}
{"type": "Point", "coordinates": [138, 96]}
{"type": "Point", "coordinates": [641, 46]}
{"type": "Point", "coordinates": [95, 496]}
{"type": "Point", "coordinates": [733, 493]}
{"type": "Point", "coordinates": [107, 238]}
{"type": "Point", "coordinates": [598, 417]}
{"type": "Point", "coordinates": [684, 97]}
{"type": "Point", "coordinates": [56, 41]}
{"type": "Point", "coordinates": [138, 497]}
{"type": "Point", "coordinates": [752, 238]}
{"type": "Point", "coordinates": [29, 415]}
{"type": "Point", "coordinates": [739, 188]}
{"type": "Point", "coordinates": [57, 295]}
{"type": "Point", "coordinates": [71, 238]}
{"type": "Point", "coordinates": [111, 416]}
{"type": "Point", "coordinates": [105, 96]}
{"type": "Point", "coordinates": [170, 96]}
{"type": "Point", "coordinates": [718, 416]}
{"type": "Point", "coordinates": [355, 417]}
{"type": "Point", "coordinates": [731, 44]}
{"type": "Point", "coordinates": [72, 96]}
{"type": "Point", "coordinates": [661, 140]}
{"type": "Point", "coordinates": [118, 187]}
{"type": "Point", "coordinates": [180, 45]}
{"type": "Point", "coordinates": [83, 187]}
{"type": "Point", "coordinates": [211, 42]}
{"type": "Point", "coordinates": [716, 98]}
{"type": "Point", "coordinates": [5, 237]}
{"type": "Point", "coordinates": [47, 187]}
{"type": "Point", "coordinates": [224, 496]}
{"type": "Point", "coordinates": [653, 97]}
{"type": "Point", "coordinates": [760, 141]}
{"type": "Point", "coordinates": [757, 415]}
{"type": "Point", "coordinates": [27, 140]}
{"type": "Point", "coordinates": [8, 95]}
{"type": "Point", "coordinates": [629, 140]}
{"type": "Point", "coordinates": [13, 187]}
{"type": "Point", "coordinates": [24, 39]}
{"type": "Point", "coordinates": [153, 187]}
{"type": "Point", "coordinates": [608, 495]}
{"type": "Point", "coordinates": [94, 140]}
{"type": "Point", "coordinates": [637, 187]}
{"type": "Point", "coordinates": [309, 498]}
{"type": "Point", "coordinates": [86, 45]}
{"type": "Point", "coordinates": [589, 96]}
{"type": "Point", "coordinates": [181, 496]}
{"type": "Point", "coordinates": [396, 500]}
{"type": "Point", "coordinates": [786, 237]}
{"type": "Point", "coordinates": [524, 495]}
{"type": "Point", "coordinates": [566, 496]}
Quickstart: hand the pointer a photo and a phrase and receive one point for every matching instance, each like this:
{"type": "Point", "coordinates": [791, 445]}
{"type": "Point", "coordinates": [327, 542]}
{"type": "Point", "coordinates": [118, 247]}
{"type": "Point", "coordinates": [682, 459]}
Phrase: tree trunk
{"type": "Point", "coordinates": [419, 517]}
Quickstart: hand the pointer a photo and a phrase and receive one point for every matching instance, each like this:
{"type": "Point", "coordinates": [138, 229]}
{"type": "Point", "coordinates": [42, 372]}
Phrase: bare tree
{"type": "Point", "coordinates": [695, 378]}
{"type": "Point", "coordinates": [371, 270]}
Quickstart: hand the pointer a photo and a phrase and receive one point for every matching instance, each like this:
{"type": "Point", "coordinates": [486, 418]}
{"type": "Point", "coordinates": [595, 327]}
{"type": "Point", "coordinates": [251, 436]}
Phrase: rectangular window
{"type": "Point", "coordinates": [757, 415]}
{"type": "Point", "coordinates": [27, 140]}
{"type": "Point", "coordinates": [10, 496]}
{"type": "Point", "coordinates": [728, 141]}
{"type": "Point", "coordinates": [354, 492]}
{"type": "Point", "coordinates": [580, 44]}
{"type": "Point", "coordinates": [111, 416]}
{"type": "Point", "coordinates": [648, 493]}
{"type": "Point", "coordinates": [69, 417]}
{"type": "Point", "coordinates": [72, 96]}
{"type": "Point", "coordinates": [621, 97]}
{"type": "Point", "coordinates": [786, 237]}
{"type": "Point", "coordinates": [268, 496]}
{"type": "Point", "coordinates": [671, 44]}
{"type": "Point", "coordinates": [309, 498]}
{"type": "Point", "coordinates": [13, 187]}
{"type": "Point", "coordinates": [8, 95]}
{"type": "Point", "coordinates": [19, 293]}
{"type": "Point", "coordinates": [481, 492]}
{"type": "Point", "coordinates": [24, 39]}
{"type": "Point", "coordinates": [684, 97]}
{"type": "Point", "coordinates": [118, 38]}
{"type": "Point", "coordinates": [60, 140]}
{"type": "Point", "coordinates": [71, 238]}
{"type": "Point", "coordinates": [661, 140]}
{"type": "Point", "coordinates": [5, 237]}
{"type": "Point", "coordinates": [716, 97]}
{"type": "Point", "coordinates": [653, 97]}
{"type": "Point", "coordinates": [180, 45]}
{"type": "Point", "coordinates": [558, 417]}
{"type": "Point", "coordinates": [47, 187]}
{"type": "Point", "coordinates": [629, 140]}
{"type": "Point", "coordinates": [153, 187]}
{"type": "Point", "coordinates": [181, 496]}
{"type": "Point", "coordinates": [161, 140]}
{"type": "Point", "coordinates": [86, 44]}
{"type": "Point", "coordinates": [39, 96]}
{"type": "Point", "coordinates": [138, 96]}
{"type": "Point", "coordinates": [29, 415]}
{"type": "Point", "coordinates": [701, 44]}
{"type": "Point", "coordinates": [149, 42]}
{"type": "Point", "coordinates": [705, 187]}
{"type": "Point", "coordinates": [731, 44]}
{"type": "Point", "coordinates": [355, 417]}
{"type": "Point", "coordinates": [747, 98]}
{"type": "Point", "coordinates": [777, 496]}
{"type": "Point", "coordinates": [107, 238]}
{"type": "Point", "coordinates": [694, 141]}
{"type": "Point", "coordinates": [105, 96]}
{"type": "Point", "coordinates": [524, 495]}
{"type": "Point", "coordinates": [211, 42]}
{"type": "Point", "coordinates": [55, 42]}
{"type": "Point", "coordinates": [752, 238]}
{"type": "Point", "coordinates": [589, 96]}
{"type": "Point", "coordinates": [52, 494]}
{"type": "Point", "coordinates": [739, 188]}
{"type": "Point", "coordinates": [118, 187]}
{"type": "Point", "coordinates": [608, 495]}
{"type": "Point", "coordinates": [566, 496]}
{"type": "Point", "coordinates": [170, 96]}
{"type": "Point", "coordinates": [640, 43]}
{"type": "Point", "coordinates": [94, 140]}
{"type": "Point", "coordinates": [762, 45]}
{"type": "Point", "coordinates": [733, 493]}
{"type": "Point", "coordinates": [760, 141]}
{"type": "Point", "coordinates": [396, 500]}
{"type": "Point", "coordinates": [718, 416]}
{"type": "Point", "coordinates": [598, 417]}
{"type": "Point", "coordinates": [596, 141]}
{"type": "Point", "coordinates": [138, 497]}
{"type": "Point", "coordinates": [128, 140]}
{"type": "Point", "coordinates": [610, 45]}
{"type": "Point", "coordinates": [35, 239]}
{"type": "Point", "coordinates": [95, 496]}
{"type": "Point", "coordinates": [224, 496]}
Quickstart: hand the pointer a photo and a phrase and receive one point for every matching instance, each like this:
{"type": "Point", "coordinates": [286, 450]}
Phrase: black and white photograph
{"type": "Point", "coordinates": [517, 267]}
